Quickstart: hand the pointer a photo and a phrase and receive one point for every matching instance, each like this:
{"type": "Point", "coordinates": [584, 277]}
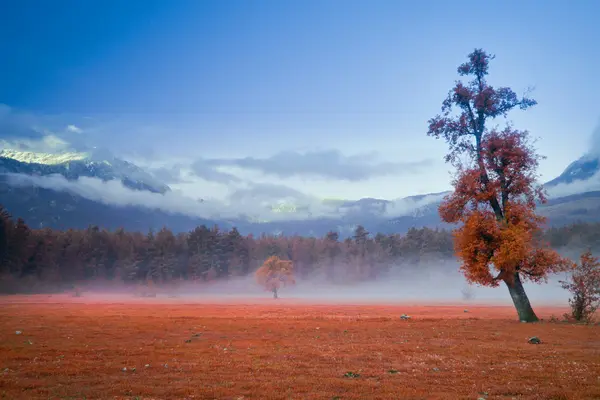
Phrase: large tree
{"type": "Point", "coordinates": [495, 187]}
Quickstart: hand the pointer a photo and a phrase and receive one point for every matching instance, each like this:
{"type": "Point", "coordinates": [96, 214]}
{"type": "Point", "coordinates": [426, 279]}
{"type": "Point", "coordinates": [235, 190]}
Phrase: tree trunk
{"type": "Point", "coordinates": [520, 299]}
{"type": "Point", "coordinates": [275, 293]}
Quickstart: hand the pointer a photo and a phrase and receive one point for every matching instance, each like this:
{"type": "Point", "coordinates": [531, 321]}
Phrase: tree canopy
{"type": "Point", "coordinates": [274, 274]}
{"type": "Point", "coordinates": [495, 188]}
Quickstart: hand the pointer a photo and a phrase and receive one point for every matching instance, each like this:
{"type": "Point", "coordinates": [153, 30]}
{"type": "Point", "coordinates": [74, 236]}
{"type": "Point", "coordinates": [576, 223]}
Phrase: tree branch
{"type": "Point", "coordinates": [534, 275]}
{"type": "Point", "coordinates": [500, 276]}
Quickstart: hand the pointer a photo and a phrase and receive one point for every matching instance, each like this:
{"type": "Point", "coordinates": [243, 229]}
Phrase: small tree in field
{"type": "Point", "coordinates": [274, 274]}
{"type": "Point", "coordinates": [495, 189]}
{"type": "Point", "coordinates": [584, 286]}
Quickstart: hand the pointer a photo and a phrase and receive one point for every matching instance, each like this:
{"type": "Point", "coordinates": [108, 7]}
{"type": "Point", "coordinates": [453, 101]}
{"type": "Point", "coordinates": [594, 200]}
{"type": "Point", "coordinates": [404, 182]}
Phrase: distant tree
{"type": "Point", "coordinates": [5, 231]}
{"type": "Point", "coordinates": [495, 189]}
{"type": "Point", "coordinates": [20, 247]}
{"type": "Point", "coordinates": [274, 274]}
{"type": "Point", "coordinates": [584, 286]}
{"type": "Point", "coordinates": [332, 251]}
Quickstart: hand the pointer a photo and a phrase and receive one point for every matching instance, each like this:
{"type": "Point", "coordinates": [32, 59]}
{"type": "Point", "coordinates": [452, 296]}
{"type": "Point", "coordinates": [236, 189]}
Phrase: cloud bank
{"type": "Point", "coordinates": [255, 202]}
{"type": "Point", "coordinates": [114, 193]}
{"type": "Point", "coordinates": [324, 163]}
{"type": "Point", "coordinates": [576, 187]}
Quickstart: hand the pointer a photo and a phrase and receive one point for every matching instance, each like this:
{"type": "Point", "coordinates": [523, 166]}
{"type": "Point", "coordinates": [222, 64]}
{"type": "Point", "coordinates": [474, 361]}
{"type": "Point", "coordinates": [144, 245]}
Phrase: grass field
{"type": "Point", "coordinates": [73, 348]}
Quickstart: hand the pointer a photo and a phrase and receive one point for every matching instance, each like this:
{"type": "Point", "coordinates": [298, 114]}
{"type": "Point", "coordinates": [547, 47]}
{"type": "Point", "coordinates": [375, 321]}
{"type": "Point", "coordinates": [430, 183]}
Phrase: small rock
{"type": "Point", "coordinates": [404, 316]}
{"type": "Point", "coordinates": [166, 365]}
{"type": "Point", "coordinates": [147, 366]}
{"type": "Point", "coordinates": [133, 369]}
{"type": "Point", "coordinates": [124, 369]}
{"type": "Point", "coordinates": [436, 369]}
{"type": "Point", "coordinates": [188, 340]}
{"type": "Point", "coordinates": [523, 321]}
{"type": "Point", "coordinates": [465, 311]}
{"type": "Point", "coordinates": [196, 334]}
{"type": "Point", "coordinates": [534, 340]}
{"type": "Point", "coordinates": [18, 332]}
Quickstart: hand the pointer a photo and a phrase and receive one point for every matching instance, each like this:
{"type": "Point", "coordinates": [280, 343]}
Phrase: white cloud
{"type": "Point", "coordinates": [74, 129]}
{"type": "Point", "coordinates": [324, 163]}
{"type": "Point", "coordinates": [258, 202]}
{"type": "Point", "coordinates": [408, 205]}
{"type": "Point", "coordinates": [115, 193]}
{"type": "Point", "coordinates": [575, 187]}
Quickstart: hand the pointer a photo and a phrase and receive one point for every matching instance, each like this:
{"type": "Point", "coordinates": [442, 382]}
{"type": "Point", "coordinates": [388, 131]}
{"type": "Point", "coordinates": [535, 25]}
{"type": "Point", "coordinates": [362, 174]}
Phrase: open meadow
{"type": "Point", "coordinates": [59, 347]}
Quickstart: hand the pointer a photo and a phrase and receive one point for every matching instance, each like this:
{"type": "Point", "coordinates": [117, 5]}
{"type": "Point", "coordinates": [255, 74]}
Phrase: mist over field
{"type": "Point", "coordinates": [419, 289]}
{"type": "Point", "coordinates": [442, 283]}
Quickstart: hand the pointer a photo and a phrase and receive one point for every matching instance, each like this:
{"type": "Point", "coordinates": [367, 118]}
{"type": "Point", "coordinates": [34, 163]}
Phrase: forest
{"type": "Point", "coordinates": [42, 260]}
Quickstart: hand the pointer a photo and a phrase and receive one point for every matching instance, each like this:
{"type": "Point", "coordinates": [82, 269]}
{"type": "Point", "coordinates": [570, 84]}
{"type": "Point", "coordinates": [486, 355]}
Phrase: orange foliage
{"type": "Point", "coordinates": [495, 190]}
{"type": "Point", "coordinates": [275, 273]}
{"type": "Point", "coordinates": [238, 351]}
{"type": "Point", "coordinates": [503, 238]}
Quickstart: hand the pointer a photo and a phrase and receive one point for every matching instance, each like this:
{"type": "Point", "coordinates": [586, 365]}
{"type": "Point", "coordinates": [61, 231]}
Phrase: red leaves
{"type": "Point", "coordinates": [476, 102]}
{"type": "Point", "coordinates": [507, 173]}
{"type": "Point", "coordinates": [495, 195]}
{"type": "Point", "coordinates": [584, 285]}
{"type": "Point", "coordinates": [462, 95]}
{"type": "Point", "coordinates": [485, 101]}
{"type": "Point", "coordinates": [512, 163]}
{"type": "Point", "coordinates": [478, 64]}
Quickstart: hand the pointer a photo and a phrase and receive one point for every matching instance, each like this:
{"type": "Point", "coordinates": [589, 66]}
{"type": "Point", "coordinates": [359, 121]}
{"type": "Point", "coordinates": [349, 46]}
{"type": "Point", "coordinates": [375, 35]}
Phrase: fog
{"type": "Point", "coordinates": [426, 286]}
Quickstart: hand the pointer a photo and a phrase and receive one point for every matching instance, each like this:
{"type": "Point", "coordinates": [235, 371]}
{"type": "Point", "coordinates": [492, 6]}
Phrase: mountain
{"type": "Point", "coordinates": [75, 165]}
{"type": "Point", "coordinates": [580, 207]}
{"type": "Point", "coordinates": [582, 169]}
{"type": "Point", "coordinates": [44, 207]}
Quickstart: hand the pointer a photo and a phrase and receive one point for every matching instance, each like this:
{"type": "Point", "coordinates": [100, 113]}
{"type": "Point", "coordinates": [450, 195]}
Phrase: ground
{"type": "Point", "coordinates": [78, 348]}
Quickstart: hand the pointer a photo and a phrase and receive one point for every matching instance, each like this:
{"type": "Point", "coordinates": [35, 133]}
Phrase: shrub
{"type": "Point", "coordinates": [584, 286]}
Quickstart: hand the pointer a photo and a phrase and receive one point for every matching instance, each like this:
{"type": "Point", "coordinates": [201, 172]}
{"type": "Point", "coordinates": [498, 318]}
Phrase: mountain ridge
{"type": "Point", "coordinates": [50, 208]}
{"type": "Point", "coordinates": [73, 165]}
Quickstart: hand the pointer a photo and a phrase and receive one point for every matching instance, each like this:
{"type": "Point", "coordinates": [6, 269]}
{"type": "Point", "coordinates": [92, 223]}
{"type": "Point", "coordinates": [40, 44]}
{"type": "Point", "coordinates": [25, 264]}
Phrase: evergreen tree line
{"type": "Point", "coordinates": [34, 258]}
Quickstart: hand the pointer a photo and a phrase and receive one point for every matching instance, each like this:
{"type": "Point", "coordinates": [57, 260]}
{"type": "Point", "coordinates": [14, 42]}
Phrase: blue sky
{"type": "Point", "coordinates": [328, 98]}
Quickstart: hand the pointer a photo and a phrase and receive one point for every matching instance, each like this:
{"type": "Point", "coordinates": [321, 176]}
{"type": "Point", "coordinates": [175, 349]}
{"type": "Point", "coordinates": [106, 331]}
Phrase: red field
{"type": "Point", "coordinates": [70, 349]}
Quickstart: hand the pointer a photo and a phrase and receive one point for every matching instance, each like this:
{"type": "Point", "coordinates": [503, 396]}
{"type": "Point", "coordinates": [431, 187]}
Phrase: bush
{"type": "Point", "coordinates": [584, 286]}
